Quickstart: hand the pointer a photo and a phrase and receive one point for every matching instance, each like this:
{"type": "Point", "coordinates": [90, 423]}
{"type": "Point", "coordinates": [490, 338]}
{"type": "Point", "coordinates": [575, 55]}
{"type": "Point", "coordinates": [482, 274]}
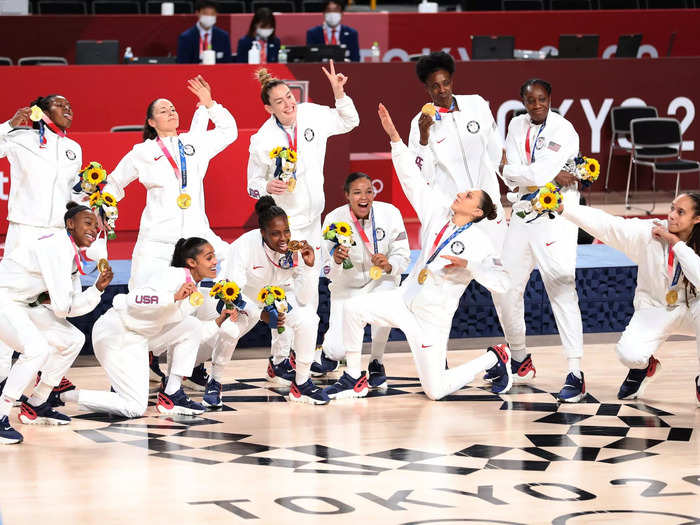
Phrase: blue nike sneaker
{"type": "Point", "coordinates": [323, 367]}
{"type": "Point", "coordinates": [637, 380]}
{"type": "Point", "coordinates": [377, 375]}
{"type": "Point", "coordinates": [574, 389]}
{"type": "Point", "coordinates": [43, 414]}
{"type": "Point", "coordinates": [8, 435]}
{"type": "Point", "coordinates": [198, 380]}
{"type": "Point", "coordinates": [308, 393]}
{"type": "Point", "coordinates": [348, 387]}
{"type": "Point", "coordinates": [212, 395]}
{"type": "Point", "coordinates": [178, 403]}
{"type": "Point", "coordinates": [501, 371]}
{"type": "Point", "coordinates": [281, 373]}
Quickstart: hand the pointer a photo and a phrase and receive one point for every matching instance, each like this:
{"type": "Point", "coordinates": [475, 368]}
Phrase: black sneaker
{"type": "Point", "coordinates": [55, 396]}
{"type": "Point", "coordinates": [637, 380]}
{"type": "Point", "coordinates": [377, 375]}
{"type": "Point", "coordinates": [198, 380]}
{"type": "Point", "coordinates": [325, 366]}
{"type": "Point", "coordinates": [155, 373]}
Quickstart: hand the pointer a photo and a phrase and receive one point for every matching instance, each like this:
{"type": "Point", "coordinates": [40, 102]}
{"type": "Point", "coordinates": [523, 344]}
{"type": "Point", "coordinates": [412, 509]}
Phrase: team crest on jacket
{"type": "Point", "coordinates": [473, 126]}
{"type": "Point", "coordinates": [188, 149]}
{"type": "Point", "coordinates": [70, 154]}
{"type": "Point", "coordinates": [539, 144]}
{"type": "Point", "coordinates": [309, 134]}
{"type": "Point", "coordinates": [380, 233]}
{"type": "Point", "coordinates": [457, 247]}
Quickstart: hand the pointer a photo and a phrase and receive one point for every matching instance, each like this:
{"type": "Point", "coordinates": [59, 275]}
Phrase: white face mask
{"type": "Point", "coordinates": [207, 21]}
{"type": "Point", "coordinates": [332, 19]}
{"type": "Point", "coordinates": [264, 33]}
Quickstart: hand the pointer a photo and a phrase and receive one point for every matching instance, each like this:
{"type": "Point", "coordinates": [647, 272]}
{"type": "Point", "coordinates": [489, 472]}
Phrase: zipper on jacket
{"type": "Point", "coordinates": [461, 149]}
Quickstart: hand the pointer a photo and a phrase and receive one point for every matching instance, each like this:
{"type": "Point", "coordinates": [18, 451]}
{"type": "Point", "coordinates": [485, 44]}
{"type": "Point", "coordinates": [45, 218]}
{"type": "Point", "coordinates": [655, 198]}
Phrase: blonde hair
{"type": "Point", "coordinates": [267, 81]}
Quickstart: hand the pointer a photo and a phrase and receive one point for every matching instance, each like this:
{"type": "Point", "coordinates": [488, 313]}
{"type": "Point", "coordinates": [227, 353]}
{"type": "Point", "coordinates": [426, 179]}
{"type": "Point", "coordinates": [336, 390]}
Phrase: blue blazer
{"type": "Point", "coordinates": [348, 36]}
{"type": "Point", "coordinates": [245, 43]}
{"type": "Point", "coordinates": [188, 46]}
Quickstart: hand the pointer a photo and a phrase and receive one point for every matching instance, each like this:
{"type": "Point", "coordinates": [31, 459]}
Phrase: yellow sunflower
{"type": "Point", "coordinates": [548, 201]}
{"type": "Point", "coordinates": [275, 152]}
{"type": "Point", "coordinates": [343, 228]}
{"type": "Point", "coordinates": [95, 198]}
{"type": "Point", "coordinates": [94, 174]}
{"type": "Point", "coordinates": [592, 168]}
{"type": "Point", "coordinates": [230, 291]}
{"type": "Point", "coordinates": [263, 295]}
{"type": "Point", "coordinates": [292, 156]}
{"type": "Point", "coordinates": [216, 289]}
{"type": "Point", "coordinates": [109, 199]}
{"type": "Point", "coordinates": [277, 292]}
{"type": "Point", "coordinates": [551, 187]}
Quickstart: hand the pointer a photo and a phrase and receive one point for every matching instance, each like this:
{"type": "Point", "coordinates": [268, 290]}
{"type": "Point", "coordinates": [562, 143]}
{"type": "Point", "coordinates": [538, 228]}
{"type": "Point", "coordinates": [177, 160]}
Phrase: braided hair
{"type": "Point", "coordinates": [44, 103]}
{"type": "Point", "coordinates": [187, 249]}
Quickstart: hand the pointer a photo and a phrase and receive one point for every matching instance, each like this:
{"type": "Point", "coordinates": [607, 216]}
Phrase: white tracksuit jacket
{"type": "Point", "coordinates": [42, 178]}
{"type": "Point", "coordinates": [162, 220]}
{"type": "Point", "coordinates": [653, 319]}
{"type": "Point", "coordinates": [314, 125]}
{"type": "Point", "coordinates": [48, 265]}
{"type": "Point", "coordinates": [453, 160]}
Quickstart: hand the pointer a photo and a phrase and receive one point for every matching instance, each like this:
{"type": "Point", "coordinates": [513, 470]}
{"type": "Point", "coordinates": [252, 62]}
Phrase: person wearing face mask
{"type": "Point", "coordinates": [157, 316]}
{"type": "Point", "coordinates": [172, 167]}
{"type": "Point", "coordinates": [204, 36]}
{"type": "Point", "coordinates": [332, 32]}
{"type": "Point", "coordinates": [380, 255]}
{"type": "Point", "coordinates": [39, 289]}
{"type": "Point", "coordinates": [262, 28]}
{"type": "Point", "coordinates": [264, 257]}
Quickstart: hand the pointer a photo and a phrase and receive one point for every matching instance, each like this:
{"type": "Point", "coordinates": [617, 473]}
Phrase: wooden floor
{"type": "Point", "coordinates": [392, 459]}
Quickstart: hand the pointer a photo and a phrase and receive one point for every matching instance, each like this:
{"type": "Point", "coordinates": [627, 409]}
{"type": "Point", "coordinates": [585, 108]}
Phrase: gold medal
{"type": "Point", "coordinates": [37, 114]}
{"type": "Point", "coordinates": [672, 297]}
{"type": "Point", "coordinates": [184, 201]}
{"type": "Point", "coordinates": [102, 265]}
{"type": "Point", "coordinates": [375, 272]}
{"type": "Point", "coordinates": [295, 246]}
{"type": "Point", "coordinates": [291, 184]}
{"type": "Point", "coordinates": [196, 299]}
{"type": "Point", "coordinates": [532, 188]}
{"type": "Point", "coordinates": [423, 275]}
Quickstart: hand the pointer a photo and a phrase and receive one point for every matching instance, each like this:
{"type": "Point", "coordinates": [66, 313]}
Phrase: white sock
{"type": "Point", "coordinates": [6, 405]}
{"type": "Point", "coordinates": [40, 394]}
{"type": "Point", "coordinates": [276, 359]}
{"type": "Point", "coordinates": [354, 364]}
{"type": "Point", "coordinates": [377, 353]}
{"type": "Point", "coordinates": [575, 366]}
{"type": "Point", "coordinates": [317, 354]}
{"type": "Point", "coordinates": [70, 397]}
{"type": "Point", "coordinates": [302, 373]}
{"type": "Point", "coordinates": [518, 355]}
{"type": "Point", "coordinates": [487, 360]}
{"type": "Point", "coordinates": [174, 384]}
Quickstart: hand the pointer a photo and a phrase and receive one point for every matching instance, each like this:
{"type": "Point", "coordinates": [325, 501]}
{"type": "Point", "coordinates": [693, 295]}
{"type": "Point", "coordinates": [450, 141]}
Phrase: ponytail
{"type": "Point", "coordinates": [266, 209]}
{"type": "Point", "coordinates": [149, 132]}
{"type": "Point", "coordinates": [187, 249]}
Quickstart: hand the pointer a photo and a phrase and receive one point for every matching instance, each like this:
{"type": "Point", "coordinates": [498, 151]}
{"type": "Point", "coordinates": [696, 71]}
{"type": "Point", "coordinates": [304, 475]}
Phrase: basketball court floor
{"type": "Point", "coordinates": [393, 458]}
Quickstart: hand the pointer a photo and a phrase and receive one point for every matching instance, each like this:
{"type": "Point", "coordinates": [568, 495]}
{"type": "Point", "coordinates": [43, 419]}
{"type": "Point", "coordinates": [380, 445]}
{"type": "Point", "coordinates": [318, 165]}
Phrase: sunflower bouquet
{"type": "Point", "coordinates": [285, 166]}
{"type": "Point", "coordinates": [541, 200]}
{"type": "Point", "coordinates": [229, 295]}
{"type": "Point", "coordinates": [92, 180]}
{"type": "Point", "coordinates": [341, 234]}
{"type": "Point", "coordinates": [274, 301]}
{"type": "Point", "coordinates": [585, 169]}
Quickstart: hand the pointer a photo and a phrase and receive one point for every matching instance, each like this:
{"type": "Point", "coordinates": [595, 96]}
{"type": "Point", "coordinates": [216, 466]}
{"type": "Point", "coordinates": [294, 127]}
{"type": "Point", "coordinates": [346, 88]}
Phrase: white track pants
{"type": "Point", "coordinates": [301, 325]}
{"type": "Point", "coordinates": [45, 342]}
{"type": "Point", "coordinates": [650, 327]}
{"type": "Point", "coordinates": [551, 245]}
{"type": "Point", "coordinates": [333, 341]}
{"type": "Point", "coordinates": [124, 356]}
{"type": "Point", "coordinates": [497, 230]}
{"type": "Point", "coordinates": [428, 342]}
{"type": "Point", "coordinates": [17, 235]}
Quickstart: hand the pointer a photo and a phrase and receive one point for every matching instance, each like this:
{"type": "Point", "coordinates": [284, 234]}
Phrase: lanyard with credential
{"type": "Point", "coordinates": [446, 241]}
{"type": "Point", "coordinates": [287, 261]}
{"type": "Point", "coordinates": [444, 110]}
{"type": "Point", "coordinates": [77, 255]}
{"type": "Point", "coordinates": [180, 173]}
{"type": "Point", "coordinates": [677, 273]}
{"type": "Point", "coordinates": [292, 145]}
{"type": "Point", "coordinates": [531, 155]}
{"type": "Point", "coordinates": [363, 235]}
{"type": "Point", "coordinates": [47, 122]}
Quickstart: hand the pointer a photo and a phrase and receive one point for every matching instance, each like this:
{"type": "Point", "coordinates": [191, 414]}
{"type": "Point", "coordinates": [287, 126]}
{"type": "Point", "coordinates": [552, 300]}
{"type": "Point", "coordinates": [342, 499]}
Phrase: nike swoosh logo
{"type": "Point", "coordinates": [156, 158]}
{"type": "Point", "coordinates": [499, 222]}
{"type": "Point", "coordinates": [256, 267]}
{"type": "Point", "coordinates": [318, 247]}
{"type": "Point", "coordinates": [549, 243]}
{"type": "Point", "coordinates": [425, 346]}
{"type": "Point", "coordinates": [439, 141]}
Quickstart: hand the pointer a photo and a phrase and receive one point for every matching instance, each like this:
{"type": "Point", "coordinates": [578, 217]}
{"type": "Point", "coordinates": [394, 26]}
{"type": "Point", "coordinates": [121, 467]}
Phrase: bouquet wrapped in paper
{"type": "Point", "coordinates": [285, 166]}
{"type": "Point", "coordinates": [540, 201]}
{"type": "Point", "coordinates": [341, 234]}
{"type": "Point", "coordinates": [274, 301]}
{"type": "Point", "coordinates": [585, 169]}
{"type": "Point", "coordinates": [93, 178]}
{"type": "Point", "coordinates": [229, 295]}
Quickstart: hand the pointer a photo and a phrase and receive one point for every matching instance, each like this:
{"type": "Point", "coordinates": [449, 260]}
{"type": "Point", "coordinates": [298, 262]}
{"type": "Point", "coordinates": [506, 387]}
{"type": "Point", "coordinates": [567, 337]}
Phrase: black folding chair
{"type": "Point", "coordinates": [231, 6]}
{"type": "Point", "coordinates": [115, 7]}
{"type": "Point", "coordinates": [560, 5]}
{"type": "Point", "coordinates": [620, 118]}
{"type": "Point", "coordinates": [657, 143]}
{"type": "Point", "coordinates": [276, 6]}
{"type": "Point", "coordinates": [42, 61]}
{"type": "Point", "coordinates": [60, 7]}
{"type": "Point", "coordinates": [522, 5]}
